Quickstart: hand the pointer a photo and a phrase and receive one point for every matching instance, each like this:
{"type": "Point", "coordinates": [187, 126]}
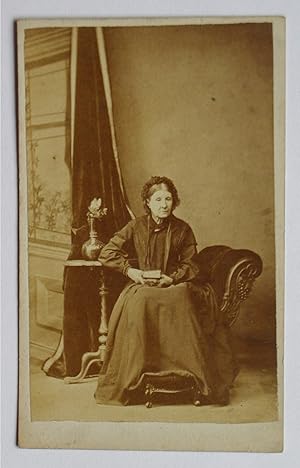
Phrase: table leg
{"type": "Point", "coordinates": [103, 329]}
{"type": "Point", "coordinates": [91, 357]}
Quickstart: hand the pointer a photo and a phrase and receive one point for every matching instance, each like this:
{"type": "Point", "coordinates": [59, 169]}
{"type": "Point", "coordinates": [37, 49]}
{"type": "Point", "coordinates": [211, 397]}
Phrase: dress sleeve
{"type": "Point", "coordinates": [114, 254]}
{"type": "Point", "coordinates": [187, 268]}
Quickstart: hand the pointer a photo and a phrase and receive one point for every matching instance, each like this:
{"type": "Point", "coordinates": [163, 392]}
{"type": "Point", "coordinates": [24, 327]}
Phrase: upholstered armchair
{"type": "Point", "coordinates": [231, 274]}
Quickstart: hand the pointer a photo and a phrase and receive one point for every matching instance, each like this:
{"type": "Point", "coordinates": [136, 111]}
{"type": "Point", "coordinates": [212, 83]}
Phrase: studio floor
{"type": "Point", "coordinates": [253, 397]}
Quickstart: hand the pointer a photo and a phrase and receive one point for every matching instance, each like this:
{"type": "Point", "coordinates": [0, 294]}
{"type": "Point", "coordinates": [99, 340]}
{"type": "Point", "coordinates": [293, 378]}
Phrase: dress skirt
{"type": "Point", "coordinates": [155, 330]}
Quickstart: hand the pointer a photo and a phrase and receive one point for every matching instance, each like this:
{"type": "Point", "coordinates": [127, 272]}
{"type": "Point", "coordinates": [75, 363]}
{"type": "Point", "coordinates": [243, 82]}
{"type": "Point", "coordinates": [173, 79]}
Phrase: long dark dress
{"type": "Point", "coordinates": [151, 329]}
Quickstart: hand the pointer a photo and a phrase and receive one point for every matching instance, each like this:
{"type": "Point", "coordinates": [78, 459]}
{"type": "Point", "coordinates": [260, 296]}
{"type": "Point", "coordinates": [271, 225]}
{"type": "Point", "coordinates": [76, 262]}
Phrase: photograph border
{"type": "Point", "coordinates": [260, 437]}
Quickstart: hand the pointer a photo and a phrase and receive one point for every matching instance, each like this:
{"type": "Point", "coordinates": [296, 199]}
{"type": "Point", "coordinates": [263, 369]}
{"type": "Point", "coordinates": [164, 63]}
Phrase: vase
{"type": "Point", "coordinates": [92, 247]}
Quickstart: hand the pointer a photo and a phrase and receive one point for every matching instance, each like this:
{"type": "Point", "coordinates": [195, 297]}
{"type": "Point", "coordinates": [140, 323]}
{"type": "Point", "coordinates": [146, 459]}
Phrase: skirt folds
{"type": "Point", "coordinates": [157, 331]}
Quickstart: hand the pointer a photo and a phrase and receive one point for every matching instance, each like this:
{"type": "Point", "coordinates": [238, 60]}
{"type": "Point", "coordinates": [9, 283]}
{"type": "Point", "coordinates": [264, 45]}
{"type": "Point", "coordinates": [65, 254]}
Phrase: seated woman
{"type": "Point", "coordinates": [155, 326]}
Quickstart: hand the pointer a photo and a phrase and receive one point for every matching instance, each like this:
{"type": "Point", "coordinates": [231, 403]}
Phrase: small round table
{"type": "Point", "coordinates": [92, 356]}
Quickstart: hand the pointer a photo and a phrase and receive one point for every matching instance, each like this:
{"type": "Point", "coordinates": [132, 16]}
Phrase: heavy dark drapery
{"type": "Point", "coordinates": [94, 167]}
{"type": "Point", "coordinates": [94, 174]}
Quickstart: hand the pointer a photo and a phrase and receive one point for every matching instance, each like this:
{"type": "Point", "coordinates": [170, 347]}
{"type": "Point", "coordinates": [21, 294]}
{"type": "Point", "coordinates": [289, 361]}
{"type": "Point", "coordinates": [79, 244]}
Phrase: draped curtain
{"type": "Point", "coordinates": [95, 173]}
{"type": "Point", "coordinates": [95, 166]}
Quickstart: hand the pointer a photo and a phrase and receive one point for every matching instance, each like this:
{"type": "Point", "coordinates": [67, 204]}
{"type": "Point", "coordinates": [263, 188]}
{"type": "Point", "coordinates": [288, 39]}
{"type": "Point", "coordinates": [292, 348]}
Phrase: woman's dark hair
{"type": "Point", "coordinates": [153, 184]}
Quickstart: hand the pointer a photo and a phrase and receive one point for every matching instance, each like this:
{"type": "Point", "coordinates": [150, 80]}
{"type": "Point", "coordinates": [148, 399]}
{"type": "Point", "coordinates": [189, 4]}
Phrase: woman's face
{"type": "Point", "coordinates": [160, 203]}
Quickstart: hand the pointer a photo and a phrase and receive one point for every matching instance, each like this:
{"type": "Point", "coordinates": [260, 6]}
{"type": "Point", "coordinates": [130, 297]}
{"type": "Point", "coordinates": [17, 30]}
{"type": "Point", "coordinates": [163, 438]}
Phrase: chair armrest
{"type": "Point", "coordinates": [231, 273]}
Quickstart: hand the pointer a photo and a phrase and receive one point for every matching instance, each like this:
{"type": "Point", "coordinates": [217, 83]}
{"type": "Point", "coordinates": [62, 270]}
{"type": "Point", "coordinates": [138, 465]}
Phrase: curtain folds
{"type": "Point", "coordinates": [95, 173]}
{"type": "Point", "coordinates": [108, 98]}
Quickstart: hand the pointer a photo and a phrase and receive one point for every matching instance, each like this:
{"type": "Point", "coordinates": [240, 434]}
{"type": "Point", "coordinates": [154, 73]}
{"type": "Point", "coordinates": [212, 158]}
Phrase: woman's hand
{"type": "Point", "coordinates": [135, 275]}
{"type": "Point", "coordinates": [165, 281]}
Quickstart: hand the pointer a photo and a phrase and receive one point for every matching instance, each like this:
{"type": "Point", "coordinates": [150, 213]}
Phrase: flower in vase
{"type": "Point", "coordinates": [95, 210]}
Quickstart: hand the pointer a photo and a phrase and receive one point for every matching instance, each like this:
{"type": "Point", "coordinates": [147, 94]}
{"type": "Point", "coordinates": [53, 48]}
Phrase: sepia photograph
{"type": "Point", "coordinates": [151, 164]}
